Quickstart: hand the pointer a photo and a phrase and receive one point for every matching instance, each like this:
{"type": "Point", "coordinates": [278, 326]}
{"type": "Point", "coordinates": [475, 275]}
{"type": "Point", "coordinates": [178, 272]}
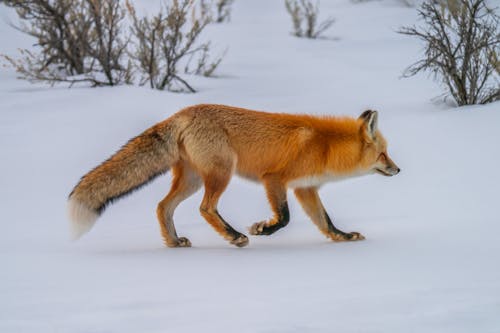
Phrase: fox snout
{"type": "Point", "coordinates": [386, 166]}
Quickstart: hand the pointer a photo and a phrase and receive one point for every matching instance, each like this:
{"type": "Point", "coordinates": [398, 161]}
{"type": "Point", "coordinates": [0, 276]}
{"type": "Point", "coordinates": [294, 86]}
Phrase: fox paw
{"type": "Point", "coordinates": [184, 242]}
{"type": "Point", "coordinates": [257, 228]}
{"type": "Point", "coordinates": [181, 242]}
{"type": "Point", "coordinates": [347, 237]}
{"type": "Point", "coordinates": [240, 241]}
{"type": "Point", "coordinates": [353, 236]}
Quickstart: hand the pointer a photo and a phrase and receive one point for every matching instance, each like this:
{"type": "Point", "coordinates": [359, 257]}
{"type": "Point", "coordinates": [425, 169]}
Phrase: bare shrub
{"type": "Point", "coordinates": [304, 16]}
{"type": "Point", "coordinates": [62, 43]}
{"type": "Point", "coordinates": [204, 64]}
{"type": "Point", "coordinates": [462, 44]}
{"type": "Point", "coordinates": [106, 43]}
{"type": "Point", "coordinates": [223, 10]}
{"type": "Point", "coordinates": [79, 41]}
{"type": "Point", "coordinates": [162, 41]}
{"type": "Point", "coordinates": [218, 10]}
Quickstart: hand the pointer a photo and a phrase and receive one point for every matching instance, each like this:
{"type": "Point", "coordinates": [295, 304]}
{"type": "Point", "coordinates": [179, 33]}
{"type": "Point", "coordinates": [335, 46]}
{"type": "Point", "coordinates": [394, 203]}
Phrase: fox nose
{"type": "Point", "coordinates": [393, 170]}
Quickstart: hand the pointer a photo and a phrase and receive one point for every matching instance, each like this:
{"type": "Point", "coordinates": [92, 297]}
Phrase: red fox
{"type": "Point", "coordinates": [204, 145]}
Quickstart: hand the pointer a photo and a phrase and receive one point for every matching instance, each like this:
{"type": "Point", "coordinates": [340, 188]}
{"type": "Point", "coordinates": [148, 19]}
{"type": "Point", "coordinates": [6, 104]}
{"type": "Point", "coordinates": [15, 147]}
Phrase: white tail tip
{"type": "Point", "coordinates": [82, 218]}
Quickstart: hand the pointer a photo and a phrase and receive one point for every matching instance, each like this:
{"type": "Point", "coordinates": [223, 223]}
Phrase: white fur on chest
{"type": "Point", "coordinates": [318, 180]}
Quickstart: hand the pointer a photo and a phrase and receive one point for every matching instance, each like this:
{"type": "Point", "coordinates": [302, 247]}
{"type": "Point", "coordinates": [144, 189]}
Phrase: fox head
{"type": "Point", "coordinates": [374, 156]}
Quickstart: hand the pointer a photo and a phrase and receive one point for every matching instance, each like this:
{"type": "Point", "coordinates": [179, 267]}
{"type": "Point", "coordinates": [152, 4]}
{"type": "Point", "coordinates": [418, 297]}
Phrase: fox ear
{"type": "Point", "coordinates": [370, 122]}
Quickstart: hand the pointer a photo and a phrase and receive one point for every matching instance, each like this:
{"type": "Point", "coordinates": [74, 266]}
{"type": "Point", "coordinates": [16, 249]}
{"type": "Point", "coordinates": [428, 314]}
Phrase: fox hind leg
{"type": "Point", "coordinates": [215, 183]}
{"type": "Point", "coordinates": [310, 201]}
{"type": "Point", "coordinates": [208, 148]}
{"type": "Point", "coordinates": [276, 194]}
{"type": "Point", "coordinates": [184, 184]}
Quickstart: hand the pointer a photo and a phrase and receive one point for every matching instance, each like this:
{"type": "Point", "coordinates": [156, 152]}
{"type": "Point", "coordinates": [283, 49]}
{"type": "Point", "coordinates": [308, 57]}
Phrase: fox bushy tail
{"type": "Point", "coordinates": [142, 159]}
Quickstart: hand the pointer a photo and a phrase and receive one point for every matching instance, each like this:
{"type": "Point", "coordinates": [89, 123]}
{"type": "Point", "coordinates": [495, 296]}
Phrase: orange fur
{"type": "Point", "coordinates": [206, 144]}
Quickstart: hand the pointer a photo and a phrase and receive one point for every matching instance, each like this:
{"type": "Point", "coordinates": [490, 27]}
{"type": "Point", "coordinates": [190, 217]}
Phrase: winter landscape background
{"type": "Point", "coordinates": [430, 259]}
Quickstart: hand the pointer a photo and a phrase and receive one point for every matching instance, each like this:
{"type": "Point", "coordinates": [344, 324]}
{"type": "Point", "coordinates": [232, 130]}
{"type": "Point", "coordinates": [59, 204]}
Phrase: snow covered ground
{"type": "Point", "coordinates": [430, 262]}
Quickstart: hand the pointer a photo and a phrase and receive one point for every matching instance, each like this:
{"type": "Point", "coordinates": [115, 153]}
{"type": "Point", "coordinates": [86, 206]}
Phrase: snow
{"type": "Point", "coordinates": [430, 259]}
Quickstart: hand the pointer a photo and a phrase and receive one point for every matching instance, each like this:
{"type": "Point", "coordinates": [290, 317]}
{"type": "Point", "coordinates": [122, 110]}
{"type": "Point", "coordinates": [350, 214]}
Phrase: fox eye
{"type": "Point", "coordinates": [382, 157]}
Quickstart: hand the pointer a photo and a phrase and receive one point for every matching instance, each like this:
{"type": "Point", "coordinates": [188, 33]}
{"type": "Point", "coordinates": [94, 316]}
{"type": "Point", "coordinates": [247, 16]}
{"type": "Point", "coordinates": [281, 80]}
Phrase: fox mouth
{"type": "Point", "coordinates": [386, 173]}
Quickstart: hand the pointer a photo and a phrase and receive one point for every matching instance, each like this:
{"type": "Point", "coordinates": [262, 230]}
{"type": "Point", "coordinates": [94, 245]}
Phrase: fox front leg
{"type": "Point", "coordinates": [310, 201]}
